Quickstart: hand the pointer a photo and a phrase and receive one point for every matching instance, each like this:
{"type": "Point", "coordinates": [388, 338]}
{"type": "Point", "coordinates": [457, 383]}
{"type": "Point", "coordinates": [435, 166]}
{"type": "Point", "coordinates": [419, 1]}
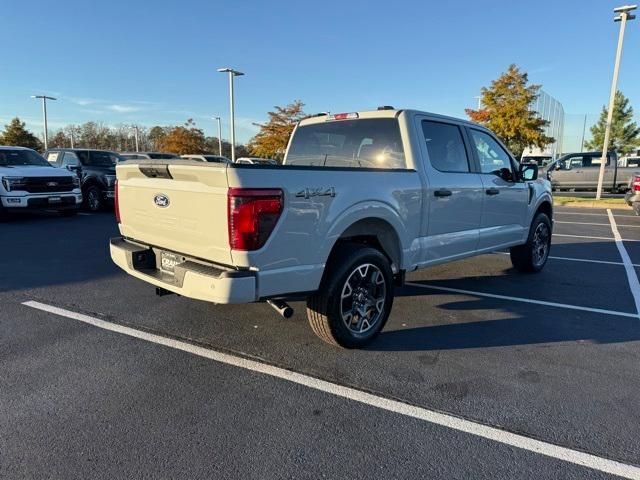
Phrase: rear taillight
{"type": "Point", "coordinates": [116, 201]}
{"type": "Point", "coordinates": [636, 183]}
{"type": "Point", "coordinates": [252, 216]}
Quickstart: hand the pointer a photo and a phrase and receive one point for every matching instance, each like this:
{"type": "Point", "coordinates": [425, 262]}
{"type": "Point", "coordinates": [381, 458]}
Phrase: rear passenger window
{"type": "Point", "coordinates": [445, 147]}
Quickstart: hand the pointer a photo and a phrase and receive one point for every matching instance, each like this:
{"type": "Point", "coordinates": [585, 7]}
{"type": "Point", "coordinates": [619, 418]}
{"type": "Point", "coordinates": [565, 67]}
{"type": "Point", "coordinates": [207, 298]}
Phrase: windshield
{"type": "Point", "coordinates": [540, 160]}
{"type": "Point", "coordinates": [162, 156]}
{"type": "Point", "coordinates": [22, 157]}
{"type": "Point", "coordinates": [367, 143]}
{"type": "Point", "coordinates": [98, 158]}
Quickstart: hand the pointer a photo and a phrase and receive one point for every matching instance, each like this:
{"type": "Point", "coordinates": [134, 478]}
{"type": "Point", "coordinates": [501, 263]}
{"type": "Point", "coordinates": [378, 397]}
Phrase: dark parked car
{"type": "Point", "coordinates": [96, 170]}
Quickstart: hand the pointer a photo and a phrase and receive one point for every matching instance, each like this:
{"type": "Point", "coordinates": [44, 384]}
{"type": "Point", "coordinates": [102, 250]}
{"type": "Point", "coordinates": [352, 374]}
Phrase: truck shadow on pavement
{"type": "Point", "coordinates": [483, 322]}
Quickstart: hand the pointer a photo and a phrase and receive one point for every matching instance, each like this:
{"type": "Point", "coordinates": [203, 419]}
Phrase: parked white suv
{"type": "Point", "coordinates": [360, 199]}
{"type": "Point", "coordinates": [29, 182]}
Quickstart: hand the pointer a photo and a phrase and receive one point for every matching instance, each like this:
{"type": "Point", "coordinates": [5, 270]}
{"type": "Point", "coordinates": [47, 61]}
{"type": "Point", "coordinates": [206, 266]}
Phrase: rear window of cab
{"type": "Point", "coordinates": [361, 143]}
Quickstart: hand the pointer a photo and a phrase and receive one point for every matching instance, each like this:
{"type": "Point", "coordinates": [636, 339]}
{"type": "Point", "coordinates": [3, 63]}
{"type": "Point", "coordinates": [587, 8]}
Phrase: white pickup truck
{"type": "Point", "coordinates": [361, 198]}
{"type": "Point", "coordinates": [28, 182]}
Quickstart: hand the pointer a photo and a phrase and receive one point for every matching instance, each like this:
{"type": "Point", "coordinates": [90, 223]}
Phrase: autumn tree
{"type": "Point", "coordinates": [59, 140]}
{"type": "Point", "coordinates": [16, 134]}
{"type": "Point", "coordinates": [156, 134]}
{"type": "Point", "coordinates": [506, 109]}
{"type": "Point", "coordinates": [271, 141]}
{"type": "Point", "coordinates": [625, 133]}
{"type": "Point", "coordinates": [183, 139]}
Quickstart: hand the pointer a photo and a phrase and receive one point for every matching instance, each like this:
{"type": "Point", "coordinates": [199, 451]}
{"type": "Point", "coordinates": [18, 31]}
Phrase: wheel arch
{"type": "Point", "coordinates": [374, 232]}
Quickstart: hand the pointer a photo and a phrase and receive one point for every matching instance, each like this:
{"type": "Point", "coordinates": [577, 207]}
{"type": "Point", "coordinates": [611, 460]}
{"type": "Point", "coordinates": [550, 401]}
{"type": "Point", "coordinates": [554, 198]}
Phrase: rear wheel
{"type": "Point", "coordinates": [93, 199]}
{"type": "Point", "coordinates": [355, 297]}
{"type": "Point", "coordinates": [533, 255]}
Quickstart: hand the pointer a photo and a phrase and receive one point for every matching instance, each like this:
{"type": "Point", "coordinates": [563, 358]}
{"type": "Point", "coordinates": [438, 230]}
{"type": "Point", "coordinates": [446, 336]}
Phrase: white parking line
{"type": "Point", "coordinates": [586, 260]}
{"type": "Point", "coordinates": [634, 285]}
{"type": "Point", "coordinates": [492, 433]}
{"type": "Point", "coordinates": [524, 300]}
{"type": "Point", "coordinates": [601, 224]}
{"type": "Point", "coordinates": [594, 238]}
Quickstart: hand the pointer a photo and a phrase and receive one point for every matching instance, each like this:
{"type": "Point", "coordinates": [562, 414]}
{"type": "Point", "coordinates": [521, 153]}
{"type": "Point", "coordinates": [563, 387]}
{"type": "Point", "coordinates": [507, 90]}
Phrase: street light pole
{"type": "Point", "coordinates": [624, 15]}
{"type": "Point", "coordinates": [584, 127]}
{"type": "Point", "coordinates": [44, 99]}
{"type": "Point", "coordinates": [135, 133]}
{"type": "Point", "coordinates": [232, 127]}
{"type": "Point", "coordinates": [217, 119]}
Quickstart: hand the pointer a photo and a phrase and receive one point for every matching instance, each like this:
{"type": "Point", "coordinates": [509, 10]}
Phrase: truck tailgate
{"type": "Point", "coordinates": [179, 206]}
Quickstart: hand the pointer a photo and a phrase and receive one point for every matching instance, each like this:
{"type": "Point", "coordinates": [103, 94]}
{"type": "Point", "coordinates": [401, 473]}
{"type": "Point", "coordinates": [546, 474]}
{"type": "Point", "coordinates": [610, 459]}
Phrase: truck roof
{"type": "Point", "coordinates": [9, 147]}
{"type": "Point", "coordinates": [386, 113]}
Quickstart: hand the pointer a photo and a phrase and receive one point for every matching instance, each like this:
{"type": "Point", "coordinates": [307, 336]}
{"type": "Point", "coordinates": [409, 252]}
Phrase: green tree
{"type": "Point", "coordinates": [271, 141]}
{"type": "Point", "coordinates": [17, 135]}
{"type": "Point", "coordinates": [625, 133]}
{"type": "Point", "coordinates": [183, 139]}
{"type": "Point", "coordinates": [507, 111]}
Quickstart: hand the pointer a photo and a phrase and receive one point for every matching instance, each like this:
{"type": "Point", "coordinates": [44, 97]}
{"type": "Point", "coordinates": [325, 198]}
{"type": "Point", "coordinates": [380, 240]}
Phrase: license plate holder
{"type": "Point", "coordinates": [168, 262]}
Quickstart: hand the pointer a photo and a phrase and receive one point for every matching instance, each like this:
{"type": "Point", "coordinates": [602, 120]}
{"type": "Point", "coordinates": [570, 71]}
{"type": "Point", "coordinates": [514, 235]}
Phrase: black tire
{"type": "Point", "coordinates": [533, 255]}
{"type": "Point", "coordinates": [92, 199]}
{"type": "Point", "coordinates": [345, 270]}
{"type": "Point", "coordinates": [636, 208]}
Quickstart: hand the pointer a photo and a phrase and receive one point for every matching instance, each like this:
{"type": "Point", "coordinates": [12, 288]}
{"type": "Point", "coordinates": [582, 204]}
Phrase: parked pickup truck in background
{"type": "Point", "coordinates": [580, 171]}
{"type": "Point", "coordinates": [96, 170]}
{"type": "Point", "coordinates": [29, 182]}
{"type": "Point", "coordinates": [361, 199]}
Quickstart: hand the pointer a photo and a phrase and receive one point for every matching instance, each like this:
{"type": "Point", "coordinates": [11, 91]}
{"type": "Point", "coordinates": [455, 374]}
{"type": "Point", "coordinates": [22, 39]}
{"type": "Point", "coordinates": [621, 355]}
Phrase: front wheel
{"type": "Point", "coordinates": [355, 297]}
{"type": "Point", "coordinates": [533, 255]}
{"type": "Point", "coordinates": [93, 199]}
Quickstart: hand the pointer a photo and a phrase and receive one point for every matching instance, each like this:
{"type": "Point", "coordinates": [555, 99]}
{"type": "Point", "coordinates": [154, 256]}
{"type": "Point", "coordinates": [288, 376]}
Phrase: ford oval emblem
{"type": "Point", "coordinates": [161, 200]}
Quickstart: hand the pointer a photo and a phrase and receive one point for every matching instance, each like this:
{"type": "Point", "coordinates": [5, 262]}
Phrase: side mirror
{"type": "Point", "coordinates": [74, 168]}
{"type": "Point", "coordinates": [528, 171]}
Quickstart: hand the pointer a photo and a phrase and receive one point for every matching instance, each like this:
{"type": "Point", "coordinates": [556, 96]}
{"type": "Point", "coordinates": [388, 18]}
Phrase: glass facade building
{"type": "Point", "coordinates": [551, 110]}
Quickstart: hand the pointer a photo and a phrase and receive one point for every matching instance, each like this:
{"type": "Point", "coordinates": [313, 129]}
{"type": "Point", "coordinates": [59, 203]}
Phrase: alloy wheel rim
{"type": "Point", "coordinates": [93, 200]}
{"type": "Point", "coordinates": [540, 244]}
{"type": "Point", "coordinates": [363, 298]}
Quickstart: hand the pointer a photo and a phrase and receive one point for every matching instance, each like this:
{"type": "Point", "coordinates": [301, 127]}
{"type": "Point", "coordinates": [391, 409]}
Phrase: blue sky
{"type": "Point", "coordinates": [155, 62]}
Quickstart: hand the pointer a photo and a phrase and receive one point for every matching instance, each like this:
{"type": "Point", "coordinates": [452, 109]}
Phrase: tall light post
{"type": "Point", "coordinates": [232, 127]}
{"type": "Point", "coordinates": [217, 119]}
{"type": "Point", "coordinates": [622, 17]}
{"type": "Point", "coordinates": [44, 99]}
{"type": "Point", "coordinates": [135, 134]}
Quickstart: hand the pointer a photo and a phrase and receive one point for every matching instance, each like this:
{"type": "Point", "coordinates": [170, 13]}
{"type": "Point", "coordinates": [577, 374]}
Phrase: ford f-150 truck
{"type": "Point", "coordinates": [580, 171]}
{"type": "Point", "coordinates": [28, 182]}
{"type": "Point", "coordinates": [360, 199]}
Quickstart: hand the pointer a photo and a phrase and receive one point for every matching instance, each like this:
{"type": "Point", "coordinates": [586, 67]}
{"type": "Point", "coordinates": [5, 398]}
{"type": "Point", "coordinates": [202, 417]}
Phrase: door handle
{"type": "Point", "coordinates": [443, 192]}
{"type": "Point", "coordinates": [492, 191]}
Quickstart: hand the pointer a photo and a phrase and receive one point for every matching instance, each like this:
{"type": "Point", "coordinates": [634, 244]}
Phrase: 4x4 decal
{"type": "Point", "coordinates": [316, 192]}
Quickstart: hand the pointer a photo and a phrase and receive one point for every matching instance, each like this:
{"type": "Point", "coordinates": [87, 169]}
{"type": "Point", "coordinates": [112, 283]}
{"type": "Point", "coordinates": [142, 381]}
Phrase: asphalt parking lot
{"type": "Point", "coordinates": [481, 372]}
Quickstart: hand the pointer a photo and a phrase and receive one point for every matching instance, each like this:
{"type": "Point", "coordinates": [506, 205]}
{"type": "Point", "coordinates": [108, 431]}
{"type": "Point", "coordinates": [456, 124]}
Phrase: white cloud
{"type": "Point", "coordinates": [123, 108]}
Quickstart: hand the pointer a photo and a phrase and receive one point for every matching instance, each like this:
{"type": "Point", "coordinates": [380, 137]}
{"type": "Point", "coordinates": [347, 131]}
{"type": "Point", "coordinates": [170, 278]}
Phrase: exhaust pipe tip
{"type": "Point", "coordinates": [283, 308]}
